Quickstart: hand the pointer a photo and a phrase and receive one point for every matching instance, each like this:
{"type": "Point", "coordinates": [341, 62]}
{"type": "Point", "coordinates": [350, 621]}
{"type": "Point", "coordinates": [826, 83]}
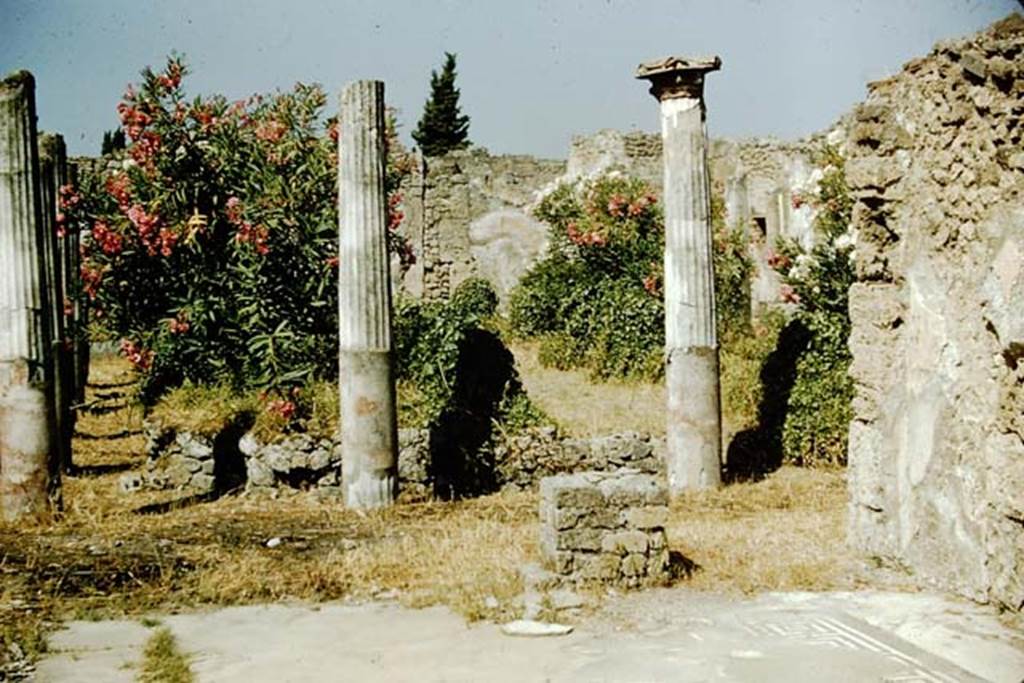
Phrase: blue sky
{"type": "Point", "coordinates": [532, 73]}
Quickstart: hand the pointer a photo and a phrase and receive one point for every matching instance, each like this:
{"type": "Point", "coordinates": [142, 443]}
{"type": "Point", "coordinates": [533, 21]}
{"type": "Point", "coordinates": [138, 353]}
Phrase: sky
{"type": "Point", "coordinates": [532, 73]}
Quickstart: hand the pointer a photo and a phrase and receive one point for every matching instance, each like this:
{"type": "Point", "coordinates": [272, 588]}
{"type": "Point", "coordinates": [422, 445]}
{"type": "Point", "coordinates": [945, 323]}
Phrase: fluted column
{"type": "Point", "coordinates": [694, 431]}
{"type": "Point", "coordinates": [80, 308]}
{"type": "Point", "coordinates": [369, 437]}
{"type": "Point", "coordinates": [29, 474]}
{"type": "Point", "coordinates": [51, 161]}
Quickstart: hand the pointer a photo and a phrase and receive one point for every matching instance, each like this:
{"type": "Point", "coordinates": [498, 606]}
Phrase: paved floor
{"type": "Point", "coordinates": [669, 635]}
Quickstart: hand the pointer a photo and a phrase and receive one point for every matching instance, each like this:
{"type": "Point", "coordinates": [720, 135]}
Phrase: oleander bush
{"type": "Point", "coordinates": [816, 280]}
{"type": "Point", "coordinates": [595, 301]}
{"type": "Point", "coordinates": [210, 252]}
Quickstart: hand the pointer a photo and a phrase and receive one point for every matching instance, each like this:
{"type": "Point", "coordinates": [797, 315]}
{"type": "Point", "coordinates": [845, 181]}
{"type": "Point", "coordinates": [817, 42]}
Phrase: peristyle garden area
{"type": "Point", "coordinates": [210, 260]}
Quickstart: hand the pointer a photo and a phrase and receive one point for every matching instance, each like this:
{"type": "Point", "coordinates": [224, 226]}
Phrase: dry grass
{"type": "Point", "coordinates": [103, 558]}
{"type": "Point", "coordinates": [203, 409]}
{"type": "Point", "coordinates": [783, 533]}
{"type": "Point", "coordinates": [163, 662]}
{"type": "Point", "coordinates": [584, 408]}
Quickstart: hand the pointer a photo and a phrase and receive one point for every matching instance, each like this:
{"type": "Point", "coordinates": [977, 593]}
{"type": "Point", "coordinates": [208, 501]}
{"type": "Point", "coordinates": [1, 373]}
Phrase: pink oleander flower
{"type": "Point", "coordinates": [788, 294]}
{"type": "Point", "coordinates": [271, 131]}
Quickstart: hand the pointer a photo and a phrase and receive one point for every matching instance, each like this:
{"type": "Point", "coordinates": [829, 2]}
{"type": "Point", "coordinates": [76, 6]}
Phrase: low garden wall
{"type": "Point", "coordinates": [232, 458]}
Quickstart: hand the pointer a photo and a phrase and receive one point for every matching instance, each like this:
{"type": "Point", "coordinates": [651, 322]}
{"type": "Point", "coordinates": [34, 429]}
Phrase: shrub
{"type": "Point", "coordinates": [595, 301]}
{"type": "Point", "coordinates": [817, 281]}
{"type": "Point", "coordinates": [733, 272]}
{"type": "Point", "coordinates": [548, 293]}
{"type": "Point", "coordinates": [436, 341]}
{"type": "Point", "coordinates": [450, 366]}
{"type": "Point", "coordinates": [743, 359]}
{"type": "Point", "coordinates": [211, 251]}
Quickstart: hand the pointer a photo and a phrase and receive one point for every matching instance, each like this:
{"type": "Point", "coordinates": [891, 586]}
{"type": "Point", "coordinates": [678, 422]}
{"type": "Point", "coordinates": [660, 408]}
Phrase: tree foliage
{"type": "Point", "coordinates": [596, 300]}
{"type": "Point", "coordinates": [113, 141]}
{"type": "Point", "coordinates": [443, 127]}
{"type": "Point", "coordinates": [817, 280]}
{"type": "Point", "coordinates": [211, 251]}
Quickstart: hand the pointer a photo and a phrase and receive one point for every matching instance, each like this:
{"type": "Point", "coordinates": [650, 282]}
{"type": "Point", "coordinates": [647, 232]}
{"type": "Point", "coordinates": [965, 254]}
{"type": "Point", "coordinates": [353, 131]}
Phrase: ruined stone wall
{"type": "Point", "coordinates": [468, 213]}
{"type": "Point", "coordinates": [224, 459]}
{"type": "Point", "coordinates": [762, 182]}
{"type": "Point", "coordinates": [636, 154]}
{"type": "Point", "coordinates": [936, 447]}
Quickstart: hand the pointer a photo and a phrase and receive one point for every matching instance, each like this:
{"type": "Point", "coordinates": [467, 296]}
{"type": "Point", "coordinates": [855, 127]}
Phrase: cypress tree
{"type": "Point", "coordinates": [442, 127]}
{"type": "Point", "coordinates": [112, 141]}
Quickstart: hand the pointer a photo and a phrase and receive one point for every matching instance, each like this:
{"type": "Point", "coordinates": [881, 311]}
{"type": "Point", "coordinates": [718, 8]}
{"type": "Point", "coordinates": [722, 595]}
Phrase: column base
{"type": "Point", "coordinates": [29, 472]}
{"type": "Point", "coordinates": [694, 429]}
{"type": "Point", "coordinates": [369, 429]}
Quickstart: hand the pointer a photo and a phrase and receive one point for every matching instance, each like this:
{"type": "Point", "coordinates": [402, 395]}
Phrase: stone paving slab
{"type": "Point", "coordinates": [668, 635]}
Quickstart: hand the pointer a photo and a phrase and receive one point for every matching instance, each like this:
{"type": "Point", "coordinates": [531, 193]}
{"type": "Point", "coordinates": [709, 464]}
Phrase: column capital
{"type": "Point", "coordinates": [673, 77]}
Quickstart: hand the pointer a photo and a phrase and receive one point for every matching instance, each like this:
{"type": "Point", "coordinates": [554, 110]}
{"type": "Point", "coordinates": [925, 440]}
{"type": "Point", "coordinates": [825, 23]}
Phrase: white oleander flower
{"type": "Point", "coordinates": [847, 240]}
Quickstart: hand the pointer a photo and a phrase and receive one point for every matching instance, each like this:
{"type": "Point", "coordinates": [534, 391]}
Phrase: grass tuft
{"type": "Point", "coordinates": [163, 662]}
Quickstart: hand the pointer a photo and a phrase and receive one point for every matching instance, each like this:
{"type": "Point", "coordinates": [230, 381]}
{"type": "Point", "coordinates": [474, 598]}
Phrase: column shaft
{"type": "Point", "coordinates": [694, 441]}
{"type": "Point", "coordinates": [29, 468]}
{"type": "Point", "coordinates": [51, 158]}
{"type": "Point", "coordinates": [693, 429]}
{"type": "Point", "coordinates": [369, 436]}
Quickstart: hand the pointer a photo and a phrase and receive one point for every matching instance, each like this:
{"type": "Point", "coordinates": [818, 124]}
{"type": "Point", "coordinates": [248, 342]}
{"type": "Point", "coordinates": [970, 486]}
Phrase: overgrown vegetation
{"type": "Point", "coordinates": [452, 369]}
{"type": "Point", "coordinates": [211, 253]}
{"type": "Point", "coordinates": [592, 301]}
{"type": "Point", "coordinates": [817, 280]}
{"type": "Point", "coordinates": [452, 355]}
{"type": "Point", "coordinates": [596, 300]}
{"type": "Point", "coordinates": [595, 303]}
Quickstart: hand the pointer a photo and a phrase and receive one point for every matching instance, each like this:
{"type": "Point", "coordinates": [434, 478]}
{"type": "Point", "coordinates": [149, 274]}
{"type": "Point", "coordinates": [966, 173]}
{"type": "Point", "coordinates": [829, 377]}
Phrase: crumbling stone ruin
{"type": "Point", "coordinates": [604, 526]}
{"type": "Point", "coordinates": [201, 463]}
{"type": "Point", "coordinates": [936, 450]}
{"type": "Point", "coordinates": [467, 214]}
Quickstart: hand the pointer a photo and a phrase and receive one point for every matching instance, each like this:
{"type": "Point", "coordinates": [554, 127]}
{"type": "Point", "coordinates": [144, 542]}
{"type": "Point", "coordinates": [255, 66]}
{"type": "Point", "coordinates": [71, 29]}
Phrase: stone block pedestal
{"type": "Point", "coordinates": [605, 526]}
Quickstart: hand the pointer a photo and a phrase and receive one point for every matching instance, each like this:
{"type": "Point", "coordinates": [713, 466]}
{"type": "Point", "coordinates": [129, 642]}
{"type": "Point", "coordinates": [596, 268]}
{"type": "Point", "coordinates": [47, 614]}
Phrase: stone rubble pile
{"type": "Point", "coordinates": [525, 459]}
{"type": "Point", "coordinates": [176, 460]}
{"type": "Point", "coordinates": [297, 460]}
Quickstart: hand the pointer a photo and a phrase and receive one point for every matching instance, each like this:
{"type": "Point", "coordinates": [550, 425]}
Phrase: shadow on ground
{"type": "Point", "coordinates": [755, 453]}
{"type": "Point", "coordinates": [460, 466]}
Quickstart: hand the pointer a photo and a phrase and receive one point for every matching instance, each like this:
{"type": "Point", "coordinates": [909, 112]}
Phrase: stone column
{"type": "Point", "coordinates": [51, 161]}
{"type": "Point", "coordinates": [694, 431]}
{"type": "Point", "coordinates": [369, 433]}
{"type": "Point", "coordinates": [29, 474]}
{"type": "Point", "coordinates": [80, 313]}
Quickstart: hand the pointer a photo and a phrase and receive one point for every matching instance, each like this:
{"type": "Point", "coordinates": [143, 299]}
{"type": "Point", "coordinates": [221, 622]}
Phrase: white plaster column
{"type": "Point", "coordinates": [29, 468]}
{"type": "Point", "coordinates": [694, 431]}
{"type": "Point", "coordinates": [369, 432]}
